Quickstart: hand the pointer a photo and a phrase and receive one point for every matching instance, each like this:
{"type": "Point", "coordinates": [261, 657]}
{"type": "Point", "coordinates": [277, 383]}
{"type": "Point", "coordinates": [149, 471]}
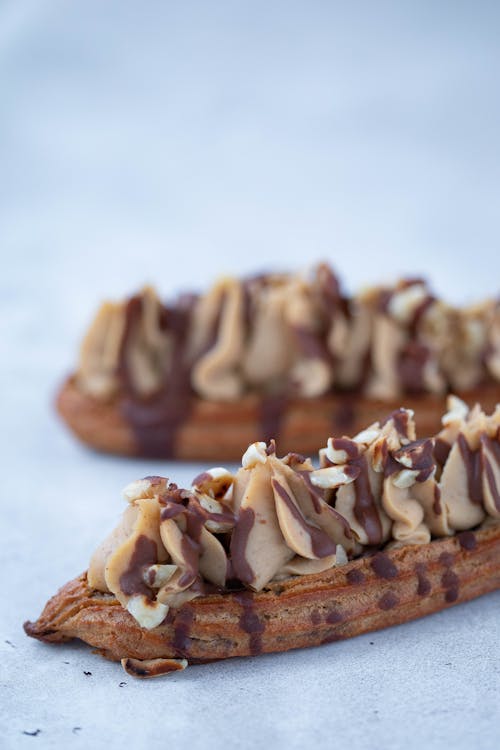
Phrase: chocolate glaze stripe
{"type": "Point", "coordinates": [441, 450]}
{"type": "Point", "coordinates": [450, 582]}
{"type": "Point", "coordinates": [355, 577]}
{"type": "Point", "coordinates": [272, 409]}
{"type": "Point", "coordinates": [347, 445]}
{"type": "Point", "coordinates": [436, 505]}
{"type": "Point", "coordinates": [321, 544]}
{"type": "Point", "coordinates": [383, 566]}
{"type": "Point", "coordinates": [424, 585]}
{"type": "Point", "coordinates": [467, 540]}
{"type": "Point", "coordinates": [472, 461]}
{"type": "Point", "coordinates": [145, 554]}
{"type": "Point", "coordinates": [343, 416]}
{"type": "Point", "coordinates": [333, 616]}
{"type": "Point", "coordinates": [411, 364]}
{"type": "Point", "coordinates": [133, 312]}
{"type": "Point", "coordinates": [317, 495]}
{"type": "Point", "coordinates": [365, 508]}
{"type": "Point", "coordinates": [155, 420]}
{"type": "Point", "coordinates": [388, 601]}
{"type": "Point", "coordinates": [182, 628]}
{"type": "Point", "coordinates": [491, 446]}
{"type": "Point", "coordinates": [240, 567]}
{"type": "Point", "coordinates": [419, 313]}
{"type": "Point", "coordinates": [250, 622]}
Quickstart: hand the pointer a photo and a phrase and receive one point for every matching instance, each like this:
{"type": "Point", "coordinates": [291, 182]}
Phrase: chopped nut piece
{"type": "Point", "coordinates": [457, 411]}
{"type": "Point", "coordinates": [156, 576]}
{"type": "Point", "coordinates": [214, 482]}
{"type": "Point", "coordinates": [331, 477]}
{"type": "Point", "coordinates": [145, 668]}
{"type": "Point", "coordinates": [147, 613]}
{"type": "Point", "coordinates": [255, 453]}
{"type": "Point", "coordinates": [405, 478]}
{"type": "Point", "coordinates": [402, 304]}
{"type": "Point", "coordinates": [147, 487]}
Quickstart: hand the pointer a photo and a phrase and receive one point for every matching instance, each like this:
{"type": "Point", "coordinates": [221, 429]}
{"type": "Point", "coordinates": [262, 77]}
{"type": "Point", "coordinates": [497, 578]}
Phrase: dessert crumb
{"type": "Point", "coordinates": [122, 684]}
{"type": "Point", "coordinates": [75, 730]}
{"type": "Point", "coordinates": [87, 674]}
{"type": "Point", "coordinates": [10, 643]}
{"type": "Point", "coordinates": [32, 734]}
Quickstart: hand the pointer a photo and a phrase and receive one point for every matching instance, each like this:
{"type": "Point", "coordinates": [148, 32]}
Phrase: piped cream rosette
{"type": "Point", "coordinates": [281, 517]}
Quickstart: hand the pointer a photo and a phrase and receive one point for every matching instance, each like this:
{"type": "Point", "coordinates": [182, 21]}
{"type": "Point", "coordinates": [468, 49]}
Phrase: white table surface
{"type": "Point", "coordinates": [168, 143]}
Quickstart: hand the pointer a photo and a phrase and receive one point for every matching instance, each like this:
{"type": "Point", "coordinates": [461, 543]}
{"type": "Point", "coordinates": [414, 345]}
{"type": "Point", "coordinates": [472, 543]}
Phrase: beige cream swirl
{"type": "Point", "coordinates": [279, 517]}
{"type": "Point", "coordinates": [294, 334]}
{"type": "Point", "coordinates": [162, 553]}
{"type": "Point", "coordinates": [283, 520]}
{"type": "Point", "coordinates": [388, 484]}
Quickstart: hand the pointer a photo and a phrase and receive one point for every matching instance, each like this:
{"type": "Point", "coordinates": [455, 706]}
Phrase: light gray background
{"type": "Point", "coordinates": [170, 142]}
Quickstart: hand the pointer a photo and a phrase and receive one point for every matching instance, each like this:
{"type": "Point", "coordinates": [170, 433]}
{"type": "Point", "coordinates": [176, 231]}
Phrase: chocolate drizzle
{"type": "Point", "coordinates": [272, 408]}
{"type": "Point", "coordinates": [493, 447]}
{"type": "Point", "coordinates": [419, 312]}
{"type": "Point", "coordinates": [182, 629]}
{"type": "Point", "coordinates": [467, 540]}
{"type": "Point", "coordinates": [420, 455]}
{"type": "Point", "coordinates": [311, 344]}
{"type": "Point", "coordinates": [472, 462]}
{"type": "Point", "coordinates": [355, 576]}
{"type": "Point", "coordinates": [155, 420]}
{"type": "Point", "coordinates": [239, 564]}
{"type": "Point", "coordinates": [191, 537]}
{"type": "Point", "coordinates": [132, 580]}
{"type": "Point", "coordinates": [344, 415]}
{"type": "Point", "coordinates": [400, 418]}
{"type": "Point", "coordinates": [383, 566]}
{"type": "Point", "coordinates": [334, 616]}
{"type": "Point", "coordinates": [436, 505]}
{"type": "Point", "coordinates": [321, 544]}
{"type": "Point", "coordinates": [365, 508]}
{"type": "Point", "coordinates": [348, 446]}
{"type": "Point", "coordinates": [411, 365]}
{"type": "Point", "coordinates": [249, 621]}
{"type": "Point", "coordinates": [450, 582]}
{"type": "Point", "coordinates": [388, 601]}
{"type": "Point", "coordinates": [318, 498]}
{"type": "Point", "coordinates": [441, 451]}
{"type": "Point", "coordinates": [424, 585]}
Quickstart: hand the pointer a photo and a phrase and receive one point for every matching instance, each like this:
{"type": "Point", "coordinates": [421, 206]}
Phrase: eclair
{"type": "Point", "coordinates": [284, 356]}
{"type": "Point", "coordinates": [284, 553]}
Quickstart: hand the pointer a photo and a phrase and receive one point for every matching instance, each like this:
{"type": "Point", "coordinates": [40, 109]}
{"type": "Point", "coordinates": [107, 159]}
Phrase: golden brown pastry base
{"type": "Point", "coordinates": [366, 594]}
{"type": "Point", "coordinates": [216, 431]}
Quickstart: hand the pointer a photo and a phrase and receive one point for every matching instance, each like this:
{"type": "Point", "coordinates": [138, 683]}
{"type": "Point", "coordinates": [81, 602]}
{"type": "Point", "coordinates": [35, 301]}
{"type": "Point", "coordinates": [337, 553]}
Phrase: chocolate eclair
{"type": "Point", "coordinates": [284, 356]}
{"type": "Point", "coordinates": [283, 554]}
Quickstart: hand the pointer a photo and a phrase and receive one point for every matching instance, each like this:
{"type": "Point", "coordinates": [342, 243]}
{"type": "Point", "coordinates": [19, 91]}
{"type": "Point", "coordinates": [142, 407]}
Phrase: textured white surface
{"type": "Point", "coordinates": [169, 142]}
